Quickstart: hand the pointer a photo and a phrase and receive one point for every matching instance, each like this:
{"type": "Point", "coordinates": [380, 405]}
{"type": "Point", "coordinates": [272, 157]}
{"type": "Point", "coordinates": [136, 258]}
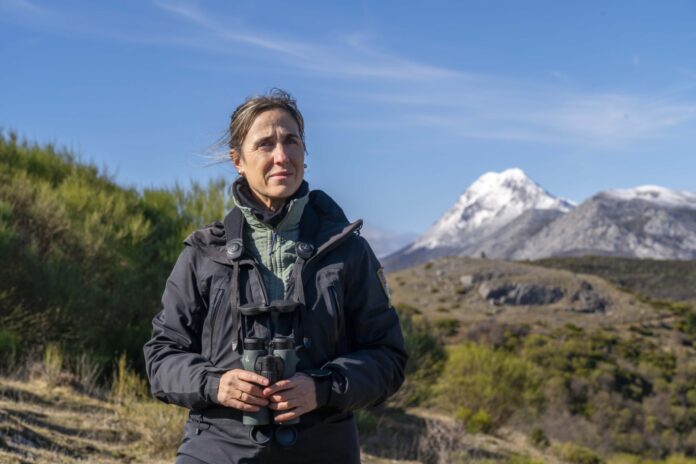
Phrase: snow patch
{"type": "Point", "coordinates": [655, 194]}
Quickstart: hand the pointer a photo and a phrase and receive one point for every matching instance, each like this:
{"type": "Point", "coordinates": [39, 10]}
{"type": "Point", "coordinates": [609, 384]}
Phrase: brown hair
{"type": "Point", "coordinates": [246, 113]}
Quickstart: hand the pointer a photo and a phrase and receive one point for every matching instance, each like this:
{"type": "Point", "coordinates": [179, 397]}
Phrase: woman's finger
{"type": "Point", "coordinates": [249, 388]}
{"type": "Point", "coordinates": [289, 415]}
{"type": "Point", "coordinates": [252, 377]}
{"type": "Point", "coordinates": [280, 385]}
{"type": "Point", "coordinates": [251, 399]}
{"type": "Point", "coordinates": [281, 406]}
{"type": "Point", "coordinates": [236, 404]}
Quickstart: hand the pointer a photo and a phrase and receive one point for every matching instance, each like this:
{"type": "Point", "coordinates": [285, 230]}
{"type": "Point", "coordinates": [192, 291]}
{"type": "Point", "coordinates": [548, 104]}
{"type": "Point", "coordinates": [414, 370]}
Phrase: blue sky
{"type": "Point", "coordinates": [406, 103]}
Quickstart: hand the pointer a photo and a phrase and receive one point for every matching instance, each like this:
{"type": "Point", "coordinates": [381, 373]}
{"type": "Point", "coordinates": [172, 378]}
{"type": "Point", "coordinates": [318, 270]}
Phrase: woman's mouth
{"type": "Point", "coordinates": [281, 175]}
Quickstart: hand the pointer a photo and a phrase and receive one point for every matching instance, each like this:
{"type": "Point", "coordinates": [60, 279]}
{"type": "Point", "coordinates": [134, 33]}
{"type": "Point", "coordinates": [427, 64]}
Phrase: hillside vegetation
{"type": "Point", "coordinates": [561, 356]}
{"type": "Point", "coordinates": [84, 259]}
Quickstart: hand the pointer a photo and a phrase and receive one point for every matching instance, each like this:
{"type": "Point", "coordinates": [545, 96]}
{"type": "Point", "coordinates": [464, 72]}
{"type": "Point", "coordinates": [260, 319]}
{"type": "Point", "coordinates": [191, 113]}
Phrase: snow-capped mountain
{"type": "Point", "coordinates": [493, 201]}
{"type": "Point", "coordinates": [644, 222]}
{"type": "Point", "coordinates": [508, 216]}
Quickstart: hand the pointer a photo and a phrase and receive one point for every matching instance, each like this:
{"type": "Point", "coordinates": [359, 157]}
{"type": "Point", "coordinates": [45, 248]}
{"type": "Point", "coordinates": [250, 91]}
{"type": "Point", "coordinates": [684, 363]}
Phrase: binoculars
{"type": "Point", "coordinates": [276, 362]}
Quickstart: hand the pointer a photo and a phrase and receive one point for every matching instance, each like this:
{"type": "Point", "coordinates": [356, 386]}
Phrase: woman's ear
{"type": "Point", "coordinates": [237, 161]}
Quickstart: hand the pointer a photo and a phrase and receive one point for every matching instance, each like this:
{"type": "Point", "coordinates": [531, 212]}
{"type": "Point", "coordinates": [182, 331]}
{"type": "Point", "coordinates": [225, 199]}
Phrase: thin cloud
{"type": "Point", "coordinates": [616, 117]}
{"type": "Point", "coordinates": [499, 109]}
{"type": "Point", "coordinates": [351, 57]}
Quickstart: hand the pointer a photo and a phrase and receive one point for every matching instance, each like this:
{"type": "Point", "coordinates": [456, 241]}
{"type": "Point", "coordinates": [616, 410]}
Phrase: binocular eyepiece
{"type": "Point", "coordinates": [277, 362]}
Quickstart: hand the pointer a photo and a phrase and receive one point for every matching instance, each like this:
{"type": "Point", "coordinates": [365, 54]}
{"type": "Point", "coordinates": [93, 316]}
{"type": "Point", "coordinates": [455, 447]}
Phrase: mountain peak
{"type": "Point", "coordinates": [491, 201]}
{"type": "Point", "coordinates": [509, 177]}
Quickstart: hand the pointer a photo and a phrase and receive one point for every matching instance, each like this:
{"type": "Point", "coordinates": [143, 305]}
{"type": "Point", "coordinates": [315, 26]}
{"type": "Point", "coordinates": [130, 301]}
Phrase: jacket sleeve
{"type": "Point", "coordinates": [373, 370]}
{"type": "Point", "coordinates": [177, 371]}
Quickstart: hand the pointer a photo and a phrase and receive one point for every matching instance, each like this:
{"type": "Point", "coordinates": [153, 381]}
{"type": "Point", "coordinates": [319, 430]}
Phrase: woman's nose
{"type": "Point", "coordinates": [280, 155]}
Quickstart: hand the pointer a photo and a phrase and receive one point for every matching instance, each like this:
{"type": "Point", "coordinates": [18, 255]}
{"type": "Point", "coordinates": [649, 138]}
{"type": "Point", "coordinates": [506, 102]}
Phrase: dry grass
{"type": "Point", "coordinates": [47, 423]}
{"type": "Point", "coordinates": [43, 422]}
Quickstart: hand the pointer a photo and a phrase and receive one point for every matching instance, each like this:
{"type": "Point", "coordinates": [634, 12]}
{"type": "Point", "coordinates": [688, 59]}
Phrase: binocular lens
{"type": "Point", "coordinates": [261, 435]}
{"type": "Point", "coordinates": [286, 436]}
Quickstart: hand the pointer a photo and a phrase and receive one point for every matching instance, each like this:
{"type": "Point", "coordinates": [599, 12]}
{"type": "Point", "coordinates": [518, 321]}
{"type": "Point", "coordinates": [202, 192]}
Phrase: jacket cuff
{"type": "Point", "coordinates": [323, 390]}
{"type": "Point", "coordinates": [212, 384]}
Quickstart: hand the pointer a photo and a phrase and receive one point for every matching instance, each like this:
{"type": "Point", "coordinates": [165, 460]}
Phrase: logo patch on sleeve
{"type": "Point", "coordinates": [383, 280]}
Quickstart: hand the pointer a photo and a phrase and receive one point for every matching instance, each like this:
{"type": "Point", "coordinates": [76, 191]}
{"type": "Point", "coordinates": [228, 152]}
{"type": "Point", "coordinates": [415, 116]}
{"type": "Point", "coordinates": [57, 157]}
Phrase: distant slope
{"type": "Point", "coordinates": [471, 291]}
{"type": "Point", "coordinates": [506, 241]}
{"type": "Point", "coordinates": [658, 279]}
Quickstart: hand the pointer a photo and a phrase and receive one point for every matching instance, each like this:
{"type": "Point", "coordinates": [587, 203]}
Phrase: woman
{"type": "Point", "coordinates": [277, 315]}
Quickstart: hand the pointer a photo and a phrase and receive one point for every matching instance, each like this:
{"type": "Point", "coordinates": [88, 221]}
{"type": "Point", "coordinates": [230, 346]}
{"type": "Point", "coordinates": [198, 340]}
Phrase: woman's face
{"type": "Point", "coordinates": [272, 157]}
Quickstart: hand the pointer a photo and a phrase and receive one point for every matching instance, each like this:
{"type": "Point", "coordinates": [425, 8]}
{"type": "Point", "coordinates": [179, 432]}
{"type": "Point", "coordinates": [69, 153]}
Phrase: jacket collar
{"type": "Point", "coordinates": [323, 225]}
{"type": "Point", "coordinates": [291, 217]}
{"type": "Point", "coordinates": [256, 213]}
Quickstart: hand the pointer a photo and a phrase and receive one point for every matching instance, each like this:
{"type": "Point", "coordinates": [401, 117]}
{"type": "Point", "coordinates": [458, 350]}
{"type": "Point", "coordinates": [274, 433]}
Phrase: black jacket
{"type": "Point", "coordinates": [346, 324]}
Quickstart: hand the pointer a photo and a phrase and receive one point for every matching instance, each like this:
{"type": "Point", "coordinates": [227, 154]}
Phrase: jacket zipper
{"type": "Point", "coordinates": [270, 249]}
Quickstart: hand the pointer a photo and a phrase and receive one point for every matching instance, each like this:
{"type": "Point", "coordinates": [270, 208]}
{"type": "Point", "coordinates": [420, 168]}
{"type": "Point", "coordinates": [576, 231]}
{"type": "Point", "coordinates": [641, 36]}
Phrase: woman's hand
{"type": "Point", "coordinates": [292, 397]}
{"type": "Point", "coordinates": [242, 390]}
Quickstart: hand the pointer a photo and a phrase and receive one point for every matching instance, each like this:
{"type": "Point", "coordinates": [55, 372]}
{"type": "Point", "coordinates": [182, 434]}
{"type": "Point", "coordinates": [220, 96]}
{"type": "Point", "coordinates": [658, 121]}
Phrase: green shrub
{"type": "Point", "coordinates": [426, 357]}
{"type": "Point", "coordinates": [367, 422]}
{"type": "Point", "coordinates": [52, 363]}
{"type": "Point", "coordinates": [127, 385]}
{"type": "Point", "coordinates": [576, 454]}
{"type": "Point", "coordinates": [446, 327]}
{"type": "Point", "coordinates": [538, 438]}
{"type": "Point", "coordinates": [476, 421]}
{"type": "Point", "coordinates": [484, 386]}
{"type": "Point", "coordinates": [9, 347]}
{"type": "Point", "coordinates": [633, 459]}
{"type": "Point", "coordinates": [520, 459]}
